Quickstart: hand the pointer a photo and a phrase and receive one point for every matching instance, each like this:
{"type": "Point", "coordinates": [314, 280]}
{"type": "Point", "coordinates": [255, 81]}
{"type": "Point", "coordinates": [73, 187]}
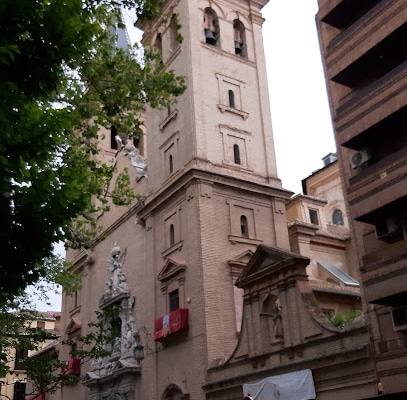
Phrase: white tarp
{"type": "Point", "coordinates": [298, 385]}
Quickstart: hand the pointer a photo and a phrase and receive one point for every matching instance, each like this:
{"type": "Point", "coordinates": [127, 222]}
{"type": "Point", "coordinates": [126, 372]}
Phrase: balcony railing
{"type": "Point", "coordinates": [73, 367]}
{"type": "Point", "coordinates": [171, 323]}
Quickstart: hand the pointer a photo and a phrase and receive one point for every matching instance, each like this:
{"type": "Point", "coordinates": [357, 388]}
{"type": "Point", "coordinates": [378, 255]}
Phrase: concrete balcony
{"type": "Point", "coordinates": [378, 186]}
{"type": "Point", "coordinates": [347, 54]}
{"type": "Point", "coordinates": [336, 12]}
{"type": "Point", "coordinates": [364, 108]}
{"type": "Point", "coordinates": [384, 274]}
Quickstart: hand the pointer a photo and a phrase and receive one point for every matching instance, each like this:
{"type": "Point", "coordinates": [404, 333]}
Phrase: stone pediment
{"type": "Point", "coordinates": [242, 259]}
{"type": "Point", "coordinates": [111, 373]}
{"type": "Point", "coordinates": [74, 325]}
{"type": "Point", "coordinates": [171, 269]}
{"type": "Point", "coordinates": [108, 299]}
{"type": "Point", "coordinates": [268, 261]}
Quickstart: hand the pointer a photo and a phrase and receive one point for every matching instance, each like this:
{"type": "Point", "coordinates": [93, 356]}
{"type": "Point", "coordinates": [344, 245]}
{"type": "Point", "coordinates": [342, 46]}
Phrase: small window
{"type": "Point", "coordinates": [231, 98]}
{"type": "Point", "coordinates": [171, 164]}
{"type": "Point", "coordinates": [244, 226]}
{"type": "Point", "coordinates": [41, 324]}
{"type": "Point", "coordinates": [173, 28]}
{"type": "Point", "coordinates": [158, 44]}
{"type": "Point", "coordinates": [21, 354]}
{"type": "Point", "coordinates": [337, 217]}
{"type": "Point", "coordinates": [174, 300]}
{"type": "Point", "coordinates": [313, 215]}
{"type": "Point", "coordinates": [113, 137]}
{"type": "Point", "coordinates": [236, 154]}
{"type": "Point", "coordinates": [211, 27]}
{"type": "Point", "coordinates": [75, 299]}
{"type": "Point", "coordinates": [172, 235]}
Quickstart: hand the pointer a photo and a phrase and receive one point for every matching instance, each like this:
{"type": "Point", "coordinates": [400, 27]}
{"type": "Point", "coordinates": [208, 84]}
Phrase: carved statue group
{"type": "Point", "coordinates": [117, 294]}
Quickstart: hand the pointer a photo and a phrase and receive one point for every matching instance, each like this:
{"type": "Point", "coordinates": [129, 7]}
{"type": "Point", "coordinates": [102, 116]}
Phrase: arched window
{"type": "Point", "coordinates": [211, 27]}
{"type": "Point", "coordinates": [173, 392]}
{"type": "Point", "coordinates": [337, 217]}
{"type": "Point", "coordinates": [158, 44]}
{"type": "Point", "coordinates": [239, 38]}
{"type": "Point", "coordinates": [172, 235]}
{"type": "Point", "coordinates": [236, 154]}
{"type": "Point", "coordinates": [231, 95]}
{"type": "Point", "coordinates": [173, 33]}
{"type": "Point", "coordinates": [113, 138]}
{"type": "Point", "coordinates": [244, 226]}
{"type": "Point", "coordinates": [171, 164]}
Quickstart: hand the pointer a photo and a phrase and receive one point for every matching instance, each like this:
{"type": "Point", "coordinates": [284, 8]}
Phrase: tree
{"type": "Point", "coordinates": [61, 78]}
{"type": "Point", "coordinates": [22, 346]}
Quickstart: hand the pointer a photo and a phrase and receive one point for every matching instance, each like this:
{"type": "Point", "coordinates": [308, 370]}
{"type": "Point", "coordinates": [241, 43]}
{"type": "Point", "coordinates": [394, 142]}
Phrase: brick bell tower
{"type": "Point", "coordinates": [211, 195]}
{"type": "Point", "coordinates": [214, 193]}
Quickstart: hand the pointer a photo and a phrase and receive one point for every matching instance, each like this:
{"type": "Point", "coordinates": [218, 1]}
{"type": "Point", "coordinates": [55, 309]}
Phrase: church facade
{"type": "Point", "coordinates": [210, 295]}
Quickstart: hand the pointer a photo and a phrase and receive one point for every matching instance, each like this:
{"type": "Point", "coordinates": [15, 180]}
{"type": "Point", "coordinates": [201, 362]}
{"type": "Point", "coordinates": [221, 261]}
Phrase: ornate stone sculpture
{"type": "Point", "coordinates": [136, 160]}
{"type": "Point", "coordinates": [118, 281]}
{"type": "Point", "coordinates": [277, 319]}
{"type": "Point", "coordinates": [123, 364]}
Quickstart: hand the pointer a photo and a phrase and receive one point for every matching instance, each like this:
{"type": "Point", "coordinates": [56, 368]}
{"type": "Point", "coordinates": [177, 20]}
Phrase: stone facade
{"type": "Point", "coordinates": [318, 227]}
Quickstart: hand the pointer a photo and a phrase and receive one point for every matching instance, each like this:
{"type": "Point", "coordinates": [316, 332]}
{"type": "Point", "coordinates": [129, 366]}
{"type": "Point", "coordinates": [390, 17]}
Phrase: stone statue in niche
{"type": "Point", "coordinates": [277, 320]}
{"type": "Point", "coordinates": [117, 348]}
{"type": "Point", "coordinates": [131, 339]}
{"type": "Point", "coordinates": [118, 281]}
{"type": "Point", "coordinates": [136, 159]}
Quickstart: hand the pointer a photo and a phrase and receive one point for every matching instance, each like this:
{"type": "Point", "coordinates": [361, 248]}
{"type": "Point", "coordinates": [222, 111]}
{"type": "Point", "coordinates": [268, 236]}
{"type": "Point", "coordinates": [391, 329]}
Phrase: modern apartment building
{"type": "Point", "coordinates": [365, 58]}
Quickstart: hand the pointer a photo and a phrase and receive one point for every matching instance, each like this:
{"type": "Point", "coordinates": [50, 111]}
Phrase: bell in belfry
{"type": "Point", "coordinates": [210, 37]}
{"type": "Point", "coordinates": [238, 47]}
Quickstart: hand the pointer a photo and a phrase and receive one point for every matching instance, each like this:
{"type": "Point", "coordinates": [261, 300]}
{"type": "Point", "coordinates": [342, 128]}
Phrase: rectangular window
{"type": "Point", "coordinates": [21, 354]}
{"type": "Point", "coordinates": [41, 324]}
{"type": "Point", "coordinates": [313, 216]}
{"type": "Point", "coordinates": [174, 300]}
{"type": "Point", "coordinates": [19, 391]}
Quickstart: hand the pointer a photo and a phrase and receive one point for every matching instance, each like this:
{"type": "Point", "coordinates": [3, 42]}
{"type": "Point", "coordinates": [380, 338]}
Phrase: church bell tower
{"type": "Point", "coordinates": [214, 192]}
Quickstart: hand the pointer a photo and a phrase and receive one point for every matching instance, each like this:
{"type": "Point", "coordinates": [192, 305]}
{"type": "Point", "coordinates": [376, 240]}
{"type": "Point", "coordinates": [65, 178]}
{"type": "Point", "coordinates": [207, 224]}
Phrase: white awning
{"type": "Point", "coordinates": [298, 385]}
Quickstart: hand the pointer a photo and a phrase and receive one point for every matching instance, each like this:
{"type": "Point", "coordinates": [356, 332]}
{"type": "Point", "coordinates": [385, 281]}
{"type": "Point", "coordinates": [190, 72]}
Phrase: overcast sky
{"type": "Point", "coordinates": [301, 119]}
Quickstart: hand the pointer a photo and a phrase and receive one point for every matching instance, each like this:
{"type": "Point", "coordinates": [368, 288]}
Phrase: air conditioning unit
{"type": "Point", "coordinates": [359, 159]}
{"type": "Point", "coordinates": [389, 230]}
{"type": "Point", "coordinates": [399, 316]}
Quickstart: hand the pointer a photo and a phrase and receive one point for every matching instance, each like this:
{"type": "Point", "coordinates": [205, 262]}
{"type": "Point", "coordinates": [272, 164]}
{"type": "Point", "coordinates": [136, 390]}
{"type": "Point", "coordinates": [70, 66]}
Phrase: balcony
{"type": "Point", "coordinates": [336, 13]}
{"type": "Point", "coordinates": [379, 187]}
{"type": "Point", "coordinates": [73, 367]}
{"type": "Point", "coordinates": [372, 44]}
{"type": "Point", "coordinates": [39, 396]}
{"type": "Point", "coordinates": [170, 324]}
{"type": "Point", "coordinates": [384, 274]}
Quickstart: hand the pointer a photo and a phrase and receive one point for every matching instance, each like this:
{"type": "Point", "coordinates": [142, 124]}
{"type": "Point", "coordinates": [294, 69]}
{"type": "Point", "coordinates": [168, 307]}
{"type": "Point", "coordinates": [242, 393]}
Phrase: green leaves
{"type": "Point", "coordinates": [61, 79]}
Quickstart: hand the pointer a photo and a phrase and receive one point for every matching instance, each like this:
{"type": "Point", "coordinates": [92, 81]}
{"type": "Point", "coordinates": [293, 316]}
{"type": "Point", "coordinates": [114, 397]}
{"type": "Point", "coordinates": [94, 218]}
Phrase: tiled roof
{"type": "Point", "coordinates": [328, 287]}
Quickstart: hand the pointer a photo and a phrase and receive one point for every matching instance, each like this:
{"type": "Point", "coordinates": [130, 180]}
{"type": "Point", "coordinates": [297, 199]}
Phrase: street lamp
{"type": "Point", "coordinates": [139, 352]}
